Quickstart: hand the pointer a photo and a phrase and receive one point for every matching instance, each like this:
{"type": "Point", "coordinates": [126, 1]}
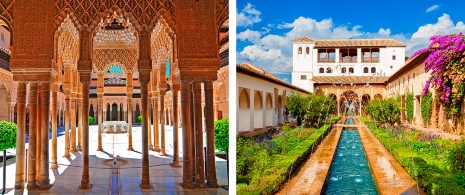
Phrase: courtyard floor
{"type": "Point", "coordinates": [164, 178]}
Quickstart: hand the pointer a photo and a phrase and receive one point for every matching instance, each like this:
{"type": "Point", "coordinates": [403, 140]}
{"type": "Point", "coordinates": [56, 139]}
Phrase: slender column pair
{"type": "Point", "coordinates": [193, 135]}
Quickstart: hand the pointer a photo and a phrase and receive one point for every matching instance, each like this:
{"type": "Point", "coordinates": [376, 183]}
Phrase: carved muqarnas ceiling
{"type": "Point", "coordinates": [87, 10]}
{"type": "Point", "coordinates": [143, 10]}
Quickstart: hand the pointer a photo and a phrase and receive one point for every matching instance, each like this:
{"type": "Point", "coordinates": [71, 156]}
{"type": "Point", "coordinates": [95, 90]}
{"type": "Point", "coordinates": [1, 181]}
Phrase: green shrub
{"type": "Point", "coordinates": [139, 119]}
{"type": "Point", "coordinates": [311, 110]}
{"type": "Point", "coordinates": [386, 111]}
{"type": "Point", "coordinates": [409, 106]}
{"type": "Point", "coordinates": [456, 157]}
{"type": "Point", "coordinates": [91, 120]}
{"type": "Point", "coordinates": [7, 135]}
{"type": "Point", "coordinates": [426, 105]}
{"type": "Point", "coordinates": [222, 134]}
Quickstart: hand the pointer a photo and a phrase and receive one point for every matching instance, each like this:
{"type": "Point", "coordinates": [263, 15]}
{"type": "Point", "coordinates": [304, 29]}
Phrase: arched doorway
{"type": "Point", "coordinates": [258, 110]}
{"type": "Point", "coordinates": [269, 111]}
{"type": "Point", "coordinates": [223, 106]}
{"type": "Point", "coordinates": [91, 112]}
{"type": "Point", "coordinates": [244, 111]}
{"type": "Point", "coordinates": [350, 103]}
{"type": "Point", "coordinates": [280, 111]}
{"type": "Point", "coordinates": [3, 104]}
{"type": "Point", "coordinates": [108, 112]}
{"type": "Point", "coordinates": [365, 99]}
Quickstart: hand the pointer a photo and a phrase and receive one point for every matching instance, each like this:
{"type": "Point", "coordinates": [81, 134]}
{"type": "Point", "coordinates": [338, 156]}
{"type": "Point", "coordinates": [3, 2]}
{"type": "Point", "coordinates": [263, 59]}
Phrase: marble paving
{"type": "Point", "coordinates": [164, 178]}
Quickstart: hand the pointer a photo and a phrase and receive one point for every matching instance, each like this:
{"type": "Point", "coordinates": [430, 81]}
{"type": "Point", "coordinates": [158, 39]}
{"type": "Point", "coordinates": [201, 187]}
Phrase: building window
{"type": "Point", "coordinates": [351, 70]}
{"type": "Point", "coordinates": [413, 75]}
{"type": "Point", "coordinates": [303, 77]}
{"type": "Point", "coordinates": [393, 57]}
{"type": "Point", "coordinates": [307, 50]}
{"type": "Point", "coordinates": [370, 55]}
{"type": "Point", "coordinates": [322, 70]}
{"type": "Point", "coordinates": [365, 70]}
{"type": "Point", "coordinates": [329, 70]}
{"type": "Point", "coordinates": [391, 67]}
{"type": "Point", "coordinates": [326, 55]}
{"type": "Point", "coordinates": [373, 70]}
{"type": "Point", "coordinates": [348, 55]}
{"type": "Point", "coordinates": [343, 70]}
{"type": "Point", "coordinates": [300, 50]}
{"type": "Point", "coordinates": [2, 37]}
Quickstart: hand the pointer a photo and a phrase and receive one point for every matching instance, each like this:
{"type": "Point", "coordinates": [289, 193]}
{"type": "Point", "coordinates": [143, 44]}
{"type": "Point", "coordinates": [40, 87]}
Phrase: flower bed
{"type": "Point", "coordinates": [424, 156]}
{"type": "Point", "coordinates": [265, 162]}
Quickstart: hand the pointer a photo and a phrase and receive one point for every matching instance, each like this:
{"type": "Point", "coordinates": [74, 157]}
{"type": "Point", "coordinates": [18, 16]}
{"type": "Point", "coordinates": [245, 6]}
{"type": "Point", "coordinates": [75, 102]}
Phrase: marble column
{"type": "Point", "coordinates": [149, 121]}
{"type": "Point", "coordinates": [145, 183]}
{"type": "Point", "coordinates": [54, 126]}
{"type": "Point", "coordinates": [209, 115]}
{"type": "Point", "coordinates": [100, 120]}
{"type": "Point", "coordinates": [73, 124]}
{"type": "Point", "coordinates": [31, 160]}
{"type": "Point", "coordinates": [67, 125]}
{"type": "Point", "coordinates": [20, 137]}
{"type": "Point", "coordinates": [187, 128]}
{"type": "Point", "coordinates": [130, 122]}
{"type": "Point", "coordinates": [38, 132]}
{"type": "Point", "coordinates": [80, 120]}
{"type": "Point", "coordinates": [156, 138]}
{"type": "Point", "coordinates": [44, 182]}
{"type": "Point", "coordinates": [162, 122]}
{"type": "Point", "coordinates": [199, 162]}
{"type": "Point", "coordinates": [11, 116]}
{"type": "Point", "coordinates": [175, 127]}
{"type": "Point", "coordinates": [85, 81]}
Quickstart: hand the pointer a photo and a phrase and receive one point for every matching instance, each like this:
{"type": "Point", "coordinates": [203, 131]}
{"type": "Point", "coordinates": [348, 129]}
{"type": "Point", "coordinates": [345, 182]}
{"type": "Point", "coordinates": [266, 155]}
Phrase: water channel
{"type": "Point", "coordinates": [350, 172]}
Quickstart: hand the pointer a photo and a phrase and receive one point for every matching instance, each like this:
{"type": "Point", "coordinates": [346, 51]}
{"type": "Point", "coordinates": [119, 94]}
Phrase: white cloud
{"type": "Point", "coordinates": [248, 16]}
{"type": "Point", "coordinates": [383, 31]}
{"type": "Point", "coordinates": [273, 52]}
{"type": "Point", "coordinates": [432, 8]}
{"type": "Point", "coordinates": [249, 35]}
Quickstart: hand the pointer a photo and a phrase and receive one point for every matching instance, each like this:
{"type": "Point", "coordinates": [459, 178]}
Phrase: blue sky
{"type": "Point", "coordinates": [265, 28]}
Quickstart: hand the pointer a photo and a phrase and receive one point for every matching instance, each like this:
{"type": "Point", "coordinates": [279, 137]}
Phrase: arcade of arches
{"type": "Point", "coordinates": [169, 54]}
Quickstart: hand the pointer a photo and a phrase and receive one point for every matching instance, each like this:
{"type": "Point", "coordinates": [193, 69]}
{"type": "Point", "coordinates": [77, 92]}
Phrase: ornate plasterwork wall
{"type": "Point", "coordinates": [124, 58]}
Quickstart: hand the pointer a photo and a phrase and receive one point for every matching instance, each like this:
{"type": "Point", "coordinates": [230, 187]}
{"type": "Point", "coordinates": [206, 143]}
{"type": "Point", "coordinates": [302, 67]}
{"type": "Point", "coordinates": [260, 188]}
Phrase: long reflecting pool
{"type": "Point", "coordinates": [350, 172]}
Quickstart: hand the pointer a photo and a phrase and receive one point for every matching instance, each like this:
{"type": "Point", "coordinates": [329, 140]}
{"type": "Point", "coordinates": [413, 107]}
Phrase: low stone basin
{"type": "Point", "coordinates": [115, 127]}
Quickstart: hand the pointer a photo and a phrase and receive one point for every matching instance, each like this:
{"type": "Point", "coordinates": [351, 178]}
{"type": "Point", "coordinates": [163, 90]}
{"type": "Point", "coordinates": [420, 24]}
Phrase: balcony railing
{"type": "Point", "coordinates": [349, 59]}
{"type": "Point", "coordinates": [326, 59]}
{"type": "Point", "coordinates": [370, 59]}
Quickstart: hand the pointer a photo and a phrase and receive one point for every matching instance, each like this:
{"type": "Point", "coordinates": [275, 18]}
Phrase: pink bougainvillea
{"type": "Point", "coordinates": [446, 63]}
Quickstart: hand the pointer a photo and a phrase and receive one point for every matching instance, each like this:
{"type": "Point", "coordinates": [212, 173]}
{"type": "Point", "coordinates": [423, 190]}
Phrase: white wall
{"type": "Point", "coordinates": [251, 118]}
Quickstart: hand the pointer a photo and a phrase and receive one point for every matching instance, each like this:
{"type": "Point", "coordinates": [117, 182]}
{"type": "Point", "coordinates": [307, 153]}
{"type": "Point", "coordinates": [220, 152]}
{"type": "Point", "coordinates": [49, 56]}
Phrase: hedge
{"type": "Point", "coordinates": [222, 134]}
{"type": "Point", "coordinates": [269, 172]}
{"type": "Point", "coordinates": [430, 171]}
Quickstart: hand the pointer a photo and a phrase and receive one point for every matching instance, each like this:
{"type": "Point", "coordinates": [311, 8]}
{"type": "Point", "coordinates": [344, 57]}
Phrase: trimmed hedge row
{"type": "Point", "coordinates": [430, 172]}
{"type": "Point", "coordinates": [270, 172]}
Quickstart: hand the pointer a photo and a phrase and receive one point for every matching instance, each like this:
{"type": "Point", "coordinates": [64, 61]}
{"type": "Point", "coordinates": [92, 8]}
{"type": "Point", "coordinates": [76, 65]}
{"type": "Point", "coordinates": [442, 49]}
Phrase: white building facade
{"type": "Point", "coordinates": [261, 99]}
{"type": "Point", "coordinates": [349, 57]}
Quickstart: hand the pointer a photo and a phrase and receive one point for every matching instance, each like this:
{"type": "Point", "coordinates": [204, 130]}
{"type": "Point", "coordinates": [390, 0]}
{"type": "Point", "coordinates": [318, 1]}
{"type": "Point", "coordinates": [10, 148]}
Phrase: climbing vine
{"type": "Point", "coordinates": [446, 63]}
{"type": "Point", "coordinates": [409, 106]}
{"type": "Point", "coordinates": [426, 107]}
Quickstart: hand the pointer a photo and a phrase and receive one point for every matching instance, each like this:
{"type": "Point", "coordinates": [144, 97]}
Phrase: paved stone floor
{"type": "Point", "coordinates": [164, 178]}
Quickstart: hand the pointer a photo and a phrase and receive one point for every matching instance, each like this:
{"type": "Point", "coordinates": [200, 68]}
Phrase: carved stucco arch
{"type": "Point", "coordinates": [67, 40]}
{"type": "Point", "coordinates": [162, 44]}
{"type": "Point", "coordinates": [124, 58]}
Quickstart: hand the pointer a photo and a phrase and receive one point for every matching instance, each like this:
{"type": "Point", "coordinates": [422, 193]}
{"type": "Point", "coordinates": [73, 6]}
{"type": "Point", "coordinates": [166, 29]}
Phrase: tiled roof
{"type": "Point", "coordinates": [359, 43]}
{"type": "Point", "coordinates": [349, 79]}
{"type": "Point", "coordinates": [351, 42]}
{"type": "Point", "coordinates": [247, 67]}
{"type": "Point", "coordinates": [303, 39]}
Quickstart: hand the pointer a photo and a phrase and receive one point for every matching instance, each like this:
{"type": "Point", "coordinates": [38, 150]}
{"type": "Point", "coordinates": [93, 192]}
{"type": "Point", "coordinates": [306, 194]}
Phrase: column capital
{"type": "Point", "coordinates": [144, 76]}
